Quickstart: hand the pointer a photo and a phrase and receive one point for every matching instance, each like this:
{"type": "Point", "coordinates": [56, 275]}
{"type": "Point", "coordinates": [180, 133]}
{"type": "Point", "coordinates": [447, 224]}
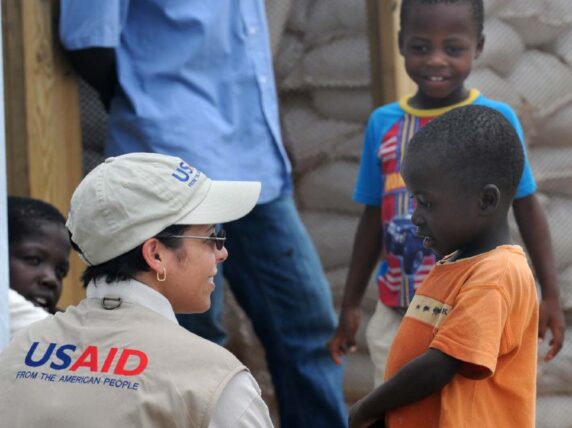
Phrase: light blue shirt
{"type": "Point", "coordinates": [195, 81]}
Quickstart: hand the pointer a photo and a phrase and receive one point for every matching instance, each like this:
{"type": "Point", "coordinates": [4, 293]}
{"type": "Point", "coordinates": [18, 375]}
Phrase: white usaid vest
{"type": "Point", "coordinates": [125, 367]}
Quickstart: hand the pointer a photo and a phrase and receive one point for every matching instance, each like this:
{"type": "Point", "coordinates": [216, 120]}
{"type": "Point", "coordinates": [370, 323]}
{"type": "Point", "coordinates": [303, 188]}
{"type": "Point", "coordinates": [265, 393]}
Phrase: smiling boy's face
{"type": "Point", "coordinates": [39, 263]}
{"type": "Point", "coordinates": [439, 44]}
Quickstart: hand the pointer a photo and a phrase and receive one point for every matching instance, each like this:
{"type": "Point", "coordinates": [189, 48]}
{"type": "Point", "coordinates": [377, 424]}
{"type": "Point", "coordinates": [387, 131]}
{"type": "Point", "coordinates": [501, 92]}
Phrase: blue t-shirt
{"type": "Point", "coordinates": [195, 81]}
{"type": "Point", "coordinates": [390, 127]}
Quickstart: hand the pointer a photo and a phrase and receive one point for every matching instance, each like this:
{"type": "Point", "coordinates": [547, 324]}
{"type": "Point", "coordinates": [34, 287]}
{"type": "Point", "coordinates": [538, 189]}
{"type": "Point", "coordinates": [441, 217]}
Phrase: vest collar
{"type": "Point", "coordinates": [132, 291]}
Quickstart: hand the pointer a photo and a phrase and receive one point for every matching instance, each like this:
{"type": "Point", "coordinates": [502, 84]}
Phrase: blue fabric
{"type": "Point", "coordinates": [195, 81]}
{"type": "Point", "coordinates": [370, 182]}
{"type": "Point", "coordinates": [275, 274]}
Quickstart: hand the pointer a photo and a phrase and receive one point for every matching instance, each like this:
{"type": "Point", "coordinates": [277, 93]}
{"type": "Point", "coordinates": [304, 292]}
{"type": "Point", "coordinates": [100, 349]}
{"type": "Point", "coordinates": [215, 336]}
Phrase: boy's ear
{"type": "Point", "coordinates": [490, 198]}
{"type": "Point", "coordinates": [480, 47]}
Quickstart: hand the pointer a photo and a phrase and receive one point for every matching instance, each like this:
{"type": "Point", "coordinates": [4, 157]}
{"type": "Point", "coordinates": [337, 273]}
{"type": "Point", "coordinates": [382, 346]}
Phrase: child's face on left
{"type": "Point", "coordinates": [447, 217]}
{"type": "Point", "coordinates": [439, 44]}
{"type": "Point", "coordinates": [39, 263]}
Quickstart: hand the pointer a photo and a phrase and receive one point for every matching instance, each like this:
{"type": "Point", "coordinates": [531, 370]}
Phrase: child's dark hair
{"type": "Point", "coordinates": [25, 215]}
{"type": "Point", "coordinates": [476, 5]}
{"type": "Point", "coordinates": [475, 145]}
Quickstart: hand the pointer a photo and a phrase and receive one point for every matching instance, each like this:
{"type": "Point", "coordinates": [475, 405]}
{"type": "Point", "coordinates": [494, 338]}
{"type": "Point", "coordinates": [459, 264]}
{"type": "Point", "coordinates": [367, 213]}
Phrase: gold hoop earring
{"type": "Point", "coordinates": [162, 278]}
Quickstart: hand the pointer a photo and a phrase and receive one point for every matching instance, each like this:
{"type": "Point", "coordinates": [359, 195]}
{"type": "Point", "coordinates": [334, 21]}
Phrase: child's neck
{"type": "Point", "coordinates": [423, 101]}
{"type": "Point", "coordinates": [492, 237]}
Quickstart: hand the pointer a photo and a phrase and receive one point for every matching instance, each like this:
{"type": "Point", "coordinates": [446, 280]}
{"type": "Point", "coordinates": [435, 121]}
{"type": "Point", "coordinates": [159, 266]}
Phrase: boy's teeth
{"type": "Point", "coordinates": [436, 79]}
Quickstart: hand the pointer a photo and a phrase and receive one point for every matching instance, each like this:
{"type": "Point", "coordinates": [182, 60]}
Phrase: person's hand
{"type": "Point", "coordinates": [344, 340]}
{"type": "Point", "coordinates": [552, 317]}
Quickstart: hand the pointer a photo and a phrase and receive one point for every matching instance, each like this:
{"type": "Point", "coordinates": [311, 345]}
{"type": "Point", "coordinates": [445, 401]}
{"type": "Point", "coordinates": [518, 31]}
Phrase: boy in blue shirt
{"type": "Point", "coordinates": [439, 40]}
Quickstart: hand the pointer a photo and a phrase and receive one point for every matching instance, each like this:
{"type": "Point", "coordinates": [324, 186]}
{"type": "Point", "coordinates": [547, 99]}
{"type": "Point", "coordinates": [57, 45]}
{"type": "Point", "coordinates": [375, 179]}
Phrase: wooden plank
{"type": "Point", "coordinates": [43, 136]}
{"type": "Point", "coordinates": [389, 79]}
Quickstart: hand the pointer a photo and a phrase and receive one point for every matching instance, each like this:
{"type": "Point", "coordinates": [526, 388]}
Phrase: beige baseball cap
{"type": "Point", "coordinates": [128, 199]}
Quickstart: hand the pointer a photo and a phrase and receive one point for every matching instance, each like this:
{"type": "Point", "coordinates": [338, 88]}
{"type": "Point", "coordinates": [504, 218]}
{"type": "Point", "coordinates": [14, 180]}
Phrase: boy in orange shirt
{"type": "Point", "coordinates": [465, 352]}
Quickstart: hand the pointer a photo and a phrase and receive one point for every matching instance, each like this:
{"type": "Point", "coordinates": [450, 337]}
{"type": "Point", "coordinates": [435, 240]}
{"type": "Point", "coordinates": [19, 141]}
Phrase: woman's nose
{"type": "Point", "coordinates": [221, 255]}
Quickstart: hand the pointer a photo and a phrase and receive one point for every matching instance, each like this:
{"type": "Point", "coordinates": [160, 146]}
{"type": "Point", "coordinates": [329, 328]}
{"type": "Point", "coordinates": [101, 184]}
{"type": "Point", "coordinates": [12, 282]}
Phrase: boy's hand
{"type": "Point", "coordinates": [551, 317]}
{"type": "Point", "coordinates": [344, 340]}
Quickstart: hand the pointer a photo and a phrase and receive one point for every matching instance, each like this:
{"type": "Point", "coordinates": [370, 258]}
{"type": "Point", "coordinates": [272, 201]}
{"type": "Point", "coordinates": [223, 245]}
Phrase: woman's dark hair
{"type": "Point", "coordinates": [125, 266]}
{"type": "Point", "coordinates": [26, 215]}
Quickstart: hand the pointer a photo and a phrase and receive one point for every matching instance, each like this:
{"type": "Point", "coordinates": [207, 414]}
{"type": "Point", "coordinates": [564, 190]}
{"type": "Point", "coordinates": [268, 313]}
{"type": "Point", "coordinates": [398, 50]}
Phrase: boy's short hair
{"type": "Point", "coordinates": [25, 215]}
{"type": "Point", "coordinates": [476, 5]}
{"type": "Point", "coordinates": [475, 145]}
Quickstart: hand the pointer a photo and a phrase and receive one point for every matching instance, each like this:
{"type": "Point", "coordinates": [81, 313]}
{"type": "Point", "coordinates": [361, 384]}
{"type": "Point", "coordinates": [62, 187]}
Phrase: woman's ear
{"type": "Point", "coordinates": [152, 252]}
{"type": "Point", "coordinates": [490, 198]}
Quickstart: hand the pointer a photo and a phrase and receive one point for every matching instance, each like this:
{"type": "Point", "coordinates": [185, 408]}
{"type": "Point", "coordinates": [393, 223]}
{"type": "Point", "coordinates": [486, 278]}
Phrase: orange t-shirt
{"type": "Point", "coordinates": [482, 310]}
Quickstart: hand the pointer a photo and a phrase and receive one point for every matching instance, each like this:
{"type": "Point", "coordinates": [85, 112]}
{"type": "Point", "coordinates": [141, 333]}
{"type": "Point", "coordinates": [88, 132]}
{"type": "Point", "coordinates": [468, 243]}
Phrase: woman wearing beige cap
{"type": "Point", "coordinates": [145, 226]}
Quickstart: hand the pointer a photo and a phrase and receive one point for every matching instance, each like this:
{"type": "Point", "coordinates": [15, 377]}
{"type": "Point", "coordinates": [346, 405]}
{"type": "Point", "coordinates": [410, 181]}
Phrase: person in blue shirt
{"type": "Point", "coordinates": [195, 80]}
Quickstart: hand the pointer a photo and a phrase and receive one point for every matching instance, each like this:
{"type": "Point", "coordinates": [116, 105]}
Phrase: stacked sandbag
{"type": "Point", "coordinates": [323, 73]}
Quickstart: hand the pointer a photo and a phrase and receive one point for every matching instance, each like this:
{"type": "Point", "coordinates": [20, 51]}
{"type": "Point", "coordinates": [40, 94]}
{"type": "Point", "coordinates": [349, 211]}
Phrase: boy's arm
{"type": "Point", "coordinates": [365, 255]}
{"type": "Point", "coordinates": [97, 66]}
{"type": "Point", "coordinates": [535, 233]}
{"type": "Point", "coordinates": [418, 379]}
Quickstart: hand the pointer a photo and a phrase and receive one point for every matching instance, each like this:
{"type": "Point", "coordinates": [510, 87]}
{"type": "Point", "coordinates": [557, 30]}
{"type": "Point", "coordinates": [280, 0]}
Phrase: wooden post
{"type": "Point", "coordinates": [389, 79]}
{"type": "Point", "coordinates": [43, 136]}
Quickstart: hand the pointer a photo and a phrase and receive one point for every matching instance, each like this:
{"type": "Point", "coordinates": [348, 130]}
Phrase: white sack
{"type": "Point", "coordinates": [288, 62]}
{"type": "Point", "coordinates": [349, 104]}
{"type": "Point", "coordinates": [343, 62]}
{"type": "Point", "coordinates": [543, 80]}
{"type": "Point", "coordinates": [565, 284]}
{"type": "Point", "coordinates": [298, 19]}
{"type": "Point", "coordinates": [555, 377]}
{"type": "Point", "coordinates": [553, 411]}
{"type": "Point", "coordinates": [503, 47]}
{"type": "Point", "coordinates": [337, 279]}
{"type": "Point", "coordinates": [563, 47]}
{"type": "Point", "coordinates": [330, 188]}
{"type": "Point", "coordinates": [552, 168]}
{"type": "Point", "coordinates": [493, 6]}
{"type": "Point", "coordinates": [333, 235]}
{"type": "Point", "coordinates": [493, 86]}
{"type": "Point", "coordinates": [329, 19]}
{"type": "Point", "coordinates": [560, 223]}
{"type": "Point", "coordinates": [277, 12]}
{"type": "Point", "coordinates": [538, 21]}
{"type": "Point", "coordinates": [350, 148]}
{"type": "Point", "coordinates": [555, 129]}
{"type": "Point", "coordinates": [310, 139]}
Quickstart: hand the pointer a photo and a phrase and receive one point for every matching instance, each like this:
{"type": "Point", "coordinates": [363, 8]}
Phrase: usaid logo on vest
{"type": "Point", "coordinates": [130, 362]}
